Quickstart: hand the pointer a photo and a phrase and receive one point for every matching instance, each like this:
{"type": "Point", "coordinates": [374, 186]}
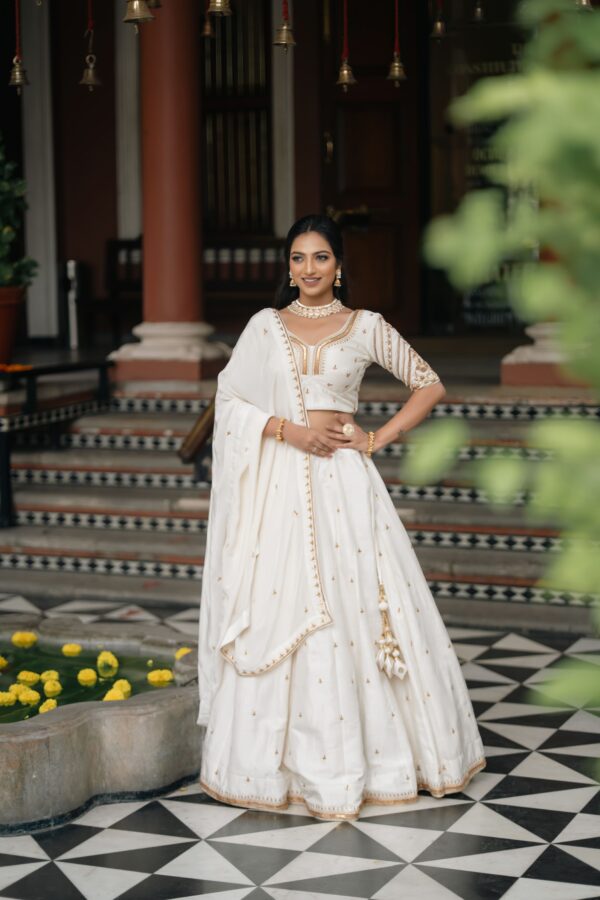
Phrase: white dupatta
{"type": "Point", "coordinates": [261, 586]}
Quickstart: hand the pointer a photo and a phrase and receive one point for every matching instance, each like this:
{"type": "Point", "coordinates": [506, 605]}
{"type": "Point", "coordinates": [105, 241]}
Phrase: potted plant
{"type": "Point", "coordinates": [16, 271]}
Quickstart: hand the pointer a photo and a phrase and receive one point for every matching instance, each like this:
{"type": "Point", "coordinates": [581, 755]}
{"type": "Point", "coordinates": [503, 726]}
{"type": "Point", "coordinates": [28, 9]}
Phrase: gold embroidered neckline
{"type": "Point", "coordinates": [324, 340]}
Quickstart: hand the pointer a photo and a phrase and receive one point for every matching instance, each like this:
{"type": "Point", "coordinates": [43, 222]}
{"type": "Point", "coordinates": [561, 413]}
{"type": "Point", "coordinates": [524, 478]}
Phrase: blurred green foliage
{"type": "Point", "coordinates": [548, 147]}
{"type": "Point", "coordinates": [14, 269]}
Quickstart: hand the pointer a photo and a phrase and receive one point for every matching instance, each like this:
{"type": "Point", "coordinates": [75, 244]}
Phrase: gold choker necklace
{"type": "Point", "coordinates": [316, 312]}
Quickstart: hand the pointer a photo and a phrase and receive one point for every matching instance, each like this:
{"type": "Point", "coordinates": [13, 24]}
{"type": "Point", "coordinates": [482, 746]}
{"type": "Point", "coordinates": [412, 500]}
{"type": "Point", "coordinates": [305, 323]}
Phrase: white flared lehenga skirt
{"type": "Point", "coordinates": [326, 726]}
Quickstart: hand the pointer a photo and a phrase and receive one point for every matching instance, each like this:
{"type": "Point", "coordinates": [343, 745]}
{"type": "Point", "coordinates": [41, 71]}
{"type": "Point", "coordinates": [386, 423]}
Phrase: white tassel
{"type": "Point", "coordinates": [389, 658]}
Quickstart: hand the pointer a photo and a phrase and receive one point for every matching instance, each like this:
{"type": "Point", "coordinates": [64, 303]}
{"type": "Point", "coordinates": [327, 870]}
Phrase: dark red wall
{"type": "Point", "coordinates": [84, 136]}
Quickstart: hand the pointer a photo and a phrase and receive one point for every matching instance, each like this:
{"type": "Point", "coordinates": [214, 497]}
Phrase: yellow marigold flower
{"type": "Point", "coordinates": [182, 651]}
{"type": "Point", "coordinates": [87, 677]}
{"type": "Point", "coordinates": [160, 676]}
{"type": "Point", "coordinates": [71, 649]}
{"type": "Point", "coordinates": [49, 675]}
{"type": "Point", "coordinates": [24, 639]}
{"type": "Point", "coordinates": [7, 698]}
{"type": "Point", "coordinates": [114, 694]}
{"type": "Point", "coordinates": [17, 689]}
{"type": "Point", "coordinates": [107, 664]}
{"type": "Point", "coordinates": [124, 686]}
{"type": "Point", "coordinates": [29, 697]}
{"type": "Point", "coordinates": [47, 705]}
{"type": "Point", "coordinates": [52, 687]}
{"type": "Point", "coordinates": [3, 663]}
{"type": "Point", "coordinates": [28, 678]}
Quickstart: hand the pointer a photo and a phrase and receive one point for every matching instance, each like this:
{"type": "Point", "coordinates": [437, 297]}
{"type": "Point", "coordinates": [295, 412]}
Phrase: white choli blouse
{"type": "Point", "coordinates": [332, 370]}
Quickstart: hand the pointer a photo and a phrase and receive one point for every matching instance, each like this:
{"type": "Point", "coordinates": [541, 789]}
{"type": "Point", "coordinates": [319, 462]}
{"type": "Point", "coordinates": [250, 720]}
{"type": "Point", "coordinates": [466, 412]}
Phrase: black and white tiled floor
{"type": "Point", "coordinates": [184, 621]}
{"type": "Point", "coordinates": [526, 828]}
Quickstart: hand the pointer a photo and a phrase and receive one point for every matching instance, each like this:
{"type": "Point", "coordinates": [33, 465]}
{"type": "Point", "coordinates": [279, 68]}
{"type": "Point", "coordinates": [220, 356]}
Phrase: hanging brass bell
{"type": "Point", "coordinates": [219, 8]}
{"type": "Point", "coordinates": [18, 75]}
{"type": "Point", "coordinates": [345, 75]}
{"type": "Point", "coordinates": [284, 36]}
{"type": "Point", "coordinates": [439, 27]}
{"type": "Point", "coordinates": [396, 73]}
{"type": "Point", "coordinates": [89, 78]}
{"type": "Point", "coordinates": [207, 31]}
{"type": "Point", "coordinates": [137, 13]}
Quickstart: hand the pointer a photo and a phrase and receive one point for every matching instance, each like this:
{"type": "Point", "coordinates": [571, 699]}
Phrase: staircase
{"type": "Point", "coordinates": [112, 515]}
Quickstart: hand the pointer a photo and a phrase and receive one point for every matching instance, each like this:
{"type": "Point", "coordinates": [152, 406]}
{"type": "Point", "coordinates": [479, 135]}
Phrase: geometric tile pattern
{"type": "Point", "coordinates": [102, 441]}
{"type": "Point", "coordinates": [483, 540]}
{"type": "Point", "coordinates": [18, 421]}
{"type": "Point", "coordinates": [105, 478]}
{"type": "Point", "coordinates": [120, 521]}
{"type": "Point", "coordinates": [183, 621]}
{"type": "Point", "coordinates": [432, 537]}
{"type": "Point", "coordinates": [165, 441]}
{"type": "Point", "coordinates": [525, 828]}
{"type": "Point", "coordinates": [507, 412]}
{"type": "Point", "coordinates": [98, 565]}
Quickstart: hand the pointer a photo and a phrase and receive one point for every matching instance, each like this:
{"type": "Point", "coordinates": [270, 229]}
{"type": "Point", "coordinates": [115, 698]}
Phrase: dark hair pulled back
{"type": "Point", "coordinates": [330, 230]}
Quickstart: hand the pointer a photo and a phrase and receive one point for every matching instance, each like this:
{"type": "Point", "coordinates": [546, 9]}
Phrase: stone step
{"type": "Point", "coordinates": [103, 544]}
{"type": "Point", "coordinates": [428, 523]}
{"type": "Point", "coordinates": [113, 460]}
{"type": "Point", "coordinates": [113, 468]}
{"type": "Point", "coordinates": [166, 432]}
{"type": "Point", "coordinates": [386, 396]}
{"type": "Point", "coordinates": [459, 603]}
{"type": "Point", "coordinates": [113, 501]}
{"type": "Point", "coordinates": [43, 586]}
{"type": "Point", "coordinates": [180, 554]}
{"type": "Point", "coordinates": [459, 579]}
{"type": "Point", "coordinates": [101, 468]}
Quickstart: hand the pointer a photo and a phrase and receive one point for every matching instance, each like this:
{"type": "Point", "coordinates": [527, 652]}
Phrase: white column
{"type": "Point", "coordinates": [127, 113]}
{"type": "Point", "coordinates": [282, 108]}
{"type": "Point", "coordinates": [38, 166]}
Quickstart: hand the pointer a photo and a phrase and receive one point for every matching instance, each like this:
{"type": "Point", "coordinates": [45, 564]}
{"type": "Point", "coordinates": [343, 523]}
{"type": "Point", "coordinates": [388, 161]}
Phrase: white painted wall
{"type": "Point", "coordinates": [38, 165]}
{"type": "Point", "coordinates": [128, 127]}
{"type": "Point", "coordinates": [283, 129]}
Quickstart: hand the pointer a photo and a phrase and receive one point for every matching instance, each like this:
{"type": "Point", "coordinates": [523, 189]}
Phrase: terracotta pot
{"type": "Point", "coordinates": [11, 299]}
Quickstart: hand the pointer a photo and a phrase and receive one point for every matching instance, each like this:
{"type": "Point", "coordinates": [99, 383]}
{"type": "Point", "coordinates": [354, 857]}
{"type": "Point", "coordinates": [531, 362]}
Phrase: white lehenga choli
{"type": "Point", "coordinates": [294, 692]}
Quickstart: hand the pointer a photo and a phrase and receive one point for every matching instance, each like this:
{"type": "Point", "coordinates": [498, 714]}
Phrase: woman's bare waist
{"type": "Point", "coordinates": [321, 417]}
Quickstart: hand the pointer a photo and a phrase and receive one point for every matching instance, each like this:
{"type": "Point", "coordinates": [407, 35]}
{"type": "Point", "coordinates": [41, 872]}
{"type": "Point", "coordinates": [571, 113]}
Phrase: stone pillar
{"type": "Point", "coordinates": [172, 336]}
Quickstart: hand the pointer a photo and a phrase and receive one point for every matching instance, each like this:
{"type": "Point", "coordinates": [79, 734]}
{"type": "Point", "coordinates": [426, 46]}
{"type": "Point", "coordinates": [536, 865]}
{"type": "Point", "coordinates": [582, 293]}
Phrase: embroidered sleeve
{"type": "Point", "coordinates": [393, 353]}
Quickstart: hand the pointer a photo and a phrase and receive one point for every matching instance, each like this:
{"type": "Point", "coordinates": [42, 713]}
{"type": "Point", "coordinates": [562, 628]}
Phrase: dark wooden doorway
{"type": "Point", "coordinates": [372, 164]}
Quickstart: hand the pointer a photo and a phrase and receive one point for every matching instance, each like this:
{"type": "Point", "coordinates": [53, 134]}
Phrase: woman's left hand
{"type": "Point", "coordinates": [357, 441]}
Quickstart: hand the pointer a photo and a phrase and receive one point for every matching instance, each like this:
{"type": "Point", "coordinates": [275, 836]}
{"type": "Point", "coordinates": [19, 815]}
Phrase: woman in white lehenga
{"type": "Point", "coordinates": [326, 674]}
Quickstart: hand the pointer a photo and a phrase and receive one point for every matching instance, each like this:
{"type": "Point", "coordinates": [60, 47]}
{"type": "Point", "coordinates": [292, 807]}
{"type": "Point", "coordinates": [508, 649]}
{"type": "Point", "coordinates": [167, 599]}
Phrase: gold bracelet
{"type": "Point", "coordinates": [278, 432]}
{"type": "Point", "coordinates": [370, 443]}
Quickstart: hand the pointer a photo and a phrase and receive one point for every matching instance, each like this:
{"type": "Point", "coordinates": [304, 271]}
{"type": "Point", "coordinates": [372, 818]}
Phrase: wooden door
{"type": "Point", "coordinates": [372, 154]}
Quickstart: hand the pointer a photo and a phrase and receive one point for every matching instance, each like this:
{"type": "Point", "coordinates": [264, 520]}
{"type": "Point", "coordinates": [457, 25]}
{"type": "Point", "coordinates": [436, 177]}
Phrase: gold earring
{"type": "Point", "coordinates": [292, 282]}
{"type": "Point", "coordinates": [338, 277]}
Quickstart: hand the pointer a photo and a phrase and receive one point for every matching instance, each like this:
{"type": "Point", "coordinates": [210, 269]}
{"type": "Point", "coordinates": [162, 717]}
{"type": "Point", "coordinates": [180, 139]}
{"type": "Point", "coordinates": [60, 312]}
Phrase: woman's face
{"type": "Point", "coordinates": [313, 265]}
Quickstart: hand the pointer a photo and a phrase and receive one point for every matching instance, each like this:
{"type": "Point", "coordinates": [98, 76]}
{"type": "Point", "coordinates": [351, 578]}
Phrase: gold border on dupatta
{"type": "Point", "coordinates": [325, 615]}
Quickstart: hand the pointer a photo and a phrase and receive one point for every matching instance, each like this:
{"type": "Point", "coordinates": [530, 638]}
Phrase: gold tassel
{"type": "Point", "coordinates": [389, 658]}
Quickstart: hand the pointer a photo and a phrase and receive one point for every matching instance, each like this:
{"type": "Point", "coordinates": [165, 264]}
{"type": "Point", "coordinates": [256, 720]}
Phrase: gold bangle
{"type": "Point", "coordinates": [278, 432]}
{"type": "Point", "coordinates": [370, 443]}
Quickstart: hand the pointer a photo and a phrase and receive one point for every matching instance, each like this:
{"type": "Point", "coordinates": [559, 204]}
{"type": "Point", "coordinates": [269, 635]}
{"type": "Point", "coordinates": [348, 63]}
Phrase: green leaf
{"type": "Point", "coordinates": [501, 479]}
{"type": "Point", "coordinates": [433, 449]}
{"type": "Point", "coordinates": [570, 682]}
{"type": "Point", "coordinates": [479, 225]}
